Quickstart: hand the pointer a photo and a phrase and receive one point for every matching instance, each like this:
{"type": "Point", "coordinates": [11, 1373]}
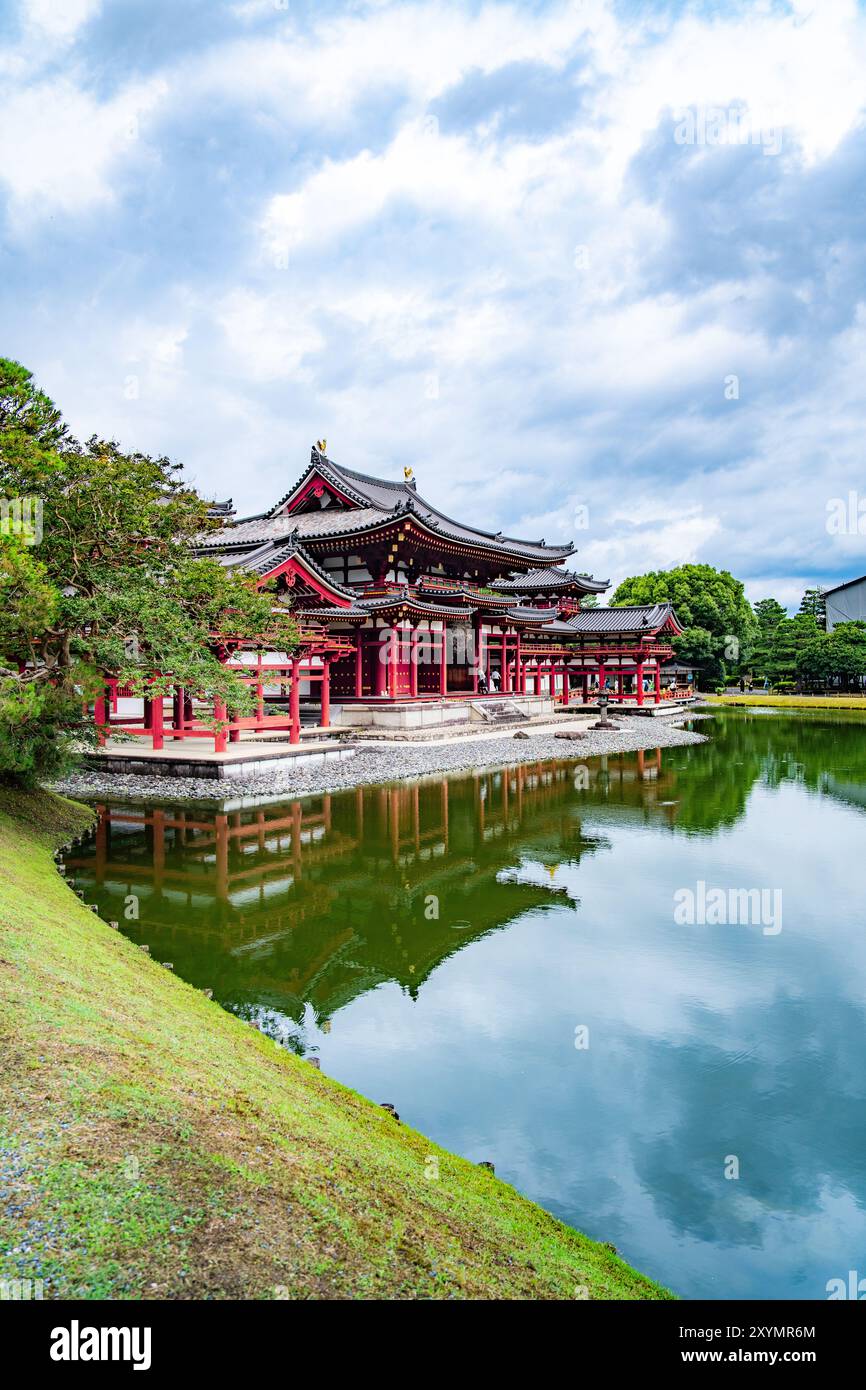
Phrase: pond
{"type": "Point", "coordinates": [536, 966]}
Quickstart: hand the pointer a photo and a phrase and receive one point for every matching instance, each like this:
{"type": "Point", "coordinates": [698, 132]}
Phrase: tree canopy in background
{"type": "Point", "coordinates": [710, 605]}
{"type": "Point", "coordinates": [107, 584]}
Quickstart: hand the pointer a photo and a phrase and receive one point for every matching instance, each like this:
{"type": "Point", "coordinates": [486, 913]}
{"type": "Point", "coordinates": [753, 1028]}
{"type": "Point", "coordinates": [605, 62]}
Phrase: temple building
{"type": "Point", "coordinates": [410, 620]}
{"type": "Point", "coordinates": [434, 609]}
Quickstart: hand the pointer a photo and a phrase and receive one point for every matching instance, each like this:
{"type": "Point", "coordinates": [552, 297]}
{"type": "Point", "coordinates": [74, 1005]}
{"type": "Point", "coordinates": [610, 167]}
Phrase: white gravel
{"type": "Point", "coordinates": [385, 762]}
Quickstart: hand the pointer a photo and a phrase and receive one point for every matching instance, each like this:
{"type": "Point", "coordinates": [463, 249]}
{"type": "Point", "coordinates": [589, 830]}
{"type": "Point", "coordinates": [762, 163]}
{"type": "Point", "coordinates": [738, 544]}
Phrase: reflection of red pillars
{"type": "Point", "coordinates": [416, 816]}
{"type": "Point", "coordinates": [219, 714]}
{"type": "Point", "coordinates": [640, 763]}
{"type": "Point", "coordinates": [260, 822]}
{"type": "Point", "coordinates": [101, 843]}
{"type": "Point", "coordinates": [296, 838]}
{"type": "Point", "coordinates": [326, 811]}
{"type": "Point", "coordinates": [413, 663]}
{"type": "Point", "coordinates": [221, 824]}
{"type": "Point", "coordinates": [295, 703]}
{"type": "Point", "coordinates": [158, 849]}
{"type": "Point", "coordinates": [444, 795]}
{"type": "Point", "coordinates": [505, 795]}
{"type": "Point", "coordinates": [359, 813]}
{"type": "Point", "coordinates": [156, 722]}
{"type": "Point", "coordinates": [394, 823]}
{"type": "Point", "coordinates": [658, 682]}
{"type": "Point", "coordinates": [326, 693]}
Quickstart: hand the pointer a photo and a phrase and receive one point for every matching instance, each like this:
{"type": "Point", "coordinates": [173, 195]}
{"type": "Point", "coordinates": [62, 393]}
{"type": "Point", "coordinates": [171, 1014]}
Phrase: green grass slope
{"type": "Point", "coordinates": [153, 1146]}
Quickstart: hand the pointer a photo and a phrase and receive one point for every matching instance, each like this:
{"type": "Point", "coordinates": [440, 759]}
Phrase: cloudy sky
{"type": "Point", "coordinates": [594, 269]}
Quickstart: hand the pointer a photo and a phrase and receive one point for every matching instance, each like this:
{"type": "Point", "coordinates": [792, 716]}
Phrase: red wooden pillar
{"type": "Point", "coordinates": [640, 682]}
{"type": "Point", "coordinates": [178, 704]}
{"type": "Point", "coordinates": [585, 679]}
{"type": "Point", "coordinates": [443, 663]}
{"type": "Point", "coordinates": [156, 722]}
{"type": "Point", "coordinates": [566, 691]}
{"type": "Point", "coordinates": [658, 682]}
{"type": "Point", "coordinates": [476, 656]}
{"type": "Point", "coordinates": [503, 684]}
{"type": "Point", "coordinates": [619, 685]}
{"type": "Point", "coordinates": [382, 656]}
{"type": "Point", "coordinates": [413, 663]}
{"type": "Point", "coordinates": [325, 718]}
{"type": "Point", "coordinates": [295, 703]}
{"type": "Point", "coordinates": [359, 665]}
{"type": "Point", "coordinates": [260, 700]}
{"type": "Point", "coordinates": [219, 738]}
{"type": "Point", "coordinates": [393, 658]}
{"type": "Point", "coordinates": [601, 676]}
{"type": "Point", "coordinates": [100, 717]}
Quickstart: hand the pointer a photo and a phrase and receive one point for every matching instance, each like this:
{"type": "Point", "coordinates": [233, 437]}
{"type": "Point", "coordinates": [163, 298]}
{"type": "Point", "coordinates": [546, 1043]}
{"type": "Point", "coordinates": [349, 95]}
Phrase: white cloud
{"type": "Point", "coordinates": [62, 149]}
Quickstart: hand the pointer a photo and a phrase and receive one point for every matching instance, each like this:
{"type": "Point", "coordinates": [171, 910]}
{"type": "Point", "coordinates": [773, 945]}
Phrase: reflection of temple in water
{"type": "Point", "coordinates": [321, 899]}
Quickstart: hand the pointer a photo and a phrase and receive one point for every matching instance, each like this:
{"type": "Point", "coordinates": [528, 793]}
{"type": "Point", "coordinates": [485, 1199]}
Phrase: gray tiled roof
{"type": "Point", "coordinates": [534, 615]}
{"type": "Point", "coordinates": [640, 618]}
{"type": "Point", "coordinates": [306, 525]}
{"type": "Point", "coordinates": [263, 559]}
{"type": "Point", "coordinates": [394, 499]}
{"type": "Point", "coordinates": [550, 579]}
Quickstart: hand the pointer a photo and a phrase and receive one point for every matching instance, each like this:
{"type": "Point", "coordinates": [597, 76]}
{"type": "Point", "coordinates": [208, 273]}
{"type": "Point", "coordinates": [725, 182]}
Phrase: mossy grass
{"type": "Point", "coordinates": [154, 1146]}
{"type": "Point", "coordinates": [791, 701]}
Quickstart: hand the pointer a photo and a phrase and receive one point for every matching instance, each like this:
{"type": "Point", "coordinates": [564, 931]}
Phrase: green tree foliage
{"type": "Point", "coordinates": [710, 605]}
{"type": "Point", "coordinates": [111, 588]}
{"type": "Point", "coordinates": [768, 614]}
{"type": "Point", "coordinates": [788, 640]}
{"type": "Point", "coordinates": [813, 606]}
{"type": "Point", "coordinates": [839, 655]}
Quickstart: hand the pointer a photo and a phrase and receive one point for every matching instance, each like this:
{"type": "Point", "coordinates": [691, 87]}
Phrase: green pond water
{"type": "Point", "coordinates": [503, 958]}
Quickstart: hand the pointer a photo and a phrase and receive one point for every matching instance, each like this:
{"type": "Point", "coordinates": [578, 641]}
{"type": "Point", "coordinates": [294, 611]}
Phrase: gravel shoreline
{"type": "Point", "coordinates": [384, 762]}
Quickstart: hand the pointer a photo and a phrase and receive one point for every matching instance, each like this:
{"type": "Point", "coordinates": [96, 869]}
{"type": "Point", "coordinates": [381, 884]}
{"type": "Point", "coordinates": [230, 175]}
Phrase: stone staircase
{"type": "Point", "coordinates": [499, 712]}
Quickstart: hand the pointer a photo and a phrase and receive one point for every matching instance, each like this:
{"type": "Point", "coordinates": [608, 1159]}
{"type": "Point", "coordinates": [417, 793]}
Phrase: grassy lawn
{"type": "Point", "coordinates": [153, 1146]}
{"type": "Point", "coordinates": [791, 701]}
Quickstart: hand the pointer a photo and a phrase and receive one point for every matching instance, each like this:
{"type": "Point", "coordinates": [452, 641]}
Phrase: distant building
{"type": "Point", "coordinates": [846, 603]}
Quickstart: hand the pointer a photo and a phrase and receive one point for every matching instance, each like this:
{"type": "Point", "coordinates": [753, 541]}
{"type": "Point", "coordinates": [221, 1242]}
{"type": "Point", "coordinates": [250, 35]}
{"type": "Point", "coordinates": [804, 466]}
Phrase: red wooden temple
{"type": "Point", "coordinates": [402, 606]}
